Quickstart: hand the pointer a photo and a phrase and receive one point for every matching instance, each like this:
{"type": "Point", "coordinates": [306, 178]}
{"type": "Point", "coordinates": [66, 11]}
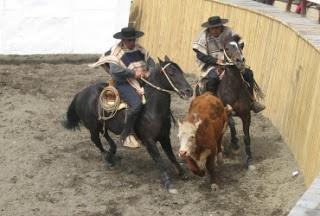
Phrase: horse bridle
{"type": "Point", "coordinates": [169, 80]}
{"type": "Point", "coordinates": [231, 62]}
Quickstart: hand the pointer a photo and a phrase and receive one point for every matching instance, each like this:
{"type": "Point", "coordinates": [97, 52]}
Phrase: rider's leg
{"type": "Point", "coordinates": [248, 77]}
{"type": "Point", "coordinates": [212, 81]}
{"type": "Point", "coordinates": [133, 99]}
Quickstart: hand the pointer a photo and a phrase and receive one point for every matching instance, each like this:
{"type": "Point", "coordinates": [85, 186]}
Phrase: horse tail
{"type": "Point", "coordinates": [257, 90]}
{"type": "Point", "coordinates": [173, 119]}
{"type": "Point", "coordinates": [72, 121]}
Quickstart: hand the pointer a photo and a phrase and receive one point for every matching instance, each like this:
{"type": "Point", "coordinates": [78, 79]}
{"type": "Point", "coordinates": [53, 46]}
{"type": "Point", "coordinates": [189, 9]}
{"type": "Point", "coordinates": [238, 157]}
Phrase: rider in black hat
{"type": "Point", "coordinates": [128, 62]}
{"type": "Point", "coordinates": [209, 52]}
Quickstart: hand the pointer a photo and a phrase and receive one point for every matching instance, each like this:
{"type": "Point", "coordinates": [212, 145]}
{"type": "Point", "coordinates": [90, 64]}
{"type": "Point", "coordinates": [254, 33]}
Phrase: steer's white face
{"type": "Point", "coordinates": [187, 137]}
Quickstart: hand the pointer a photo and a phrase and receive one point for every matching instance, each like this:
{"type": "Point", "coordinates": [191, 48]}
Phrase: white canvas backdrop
{"type": "Point", "coordinates": [60, 26]}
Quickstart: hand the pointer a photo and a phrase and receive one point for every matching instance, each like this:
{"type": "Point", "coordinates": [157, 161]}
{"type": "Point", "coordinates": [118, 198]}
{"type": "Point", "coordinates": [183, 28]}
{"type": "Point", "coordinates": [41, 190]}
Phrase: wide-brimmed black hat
{"type": "Point", "coordinates": [214, 21]}
{"type": "Point", "coordinates": [128, 33]}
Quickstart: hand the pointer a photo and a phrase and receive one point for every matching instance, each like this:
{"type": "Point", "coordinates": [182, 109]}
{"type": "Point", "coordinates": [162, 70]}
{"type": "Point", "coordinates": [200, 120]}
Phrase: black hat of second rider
{"type": "Point", "coordinates": [214, 21]}
{"type": "Point", "coordinates": [128, 33]}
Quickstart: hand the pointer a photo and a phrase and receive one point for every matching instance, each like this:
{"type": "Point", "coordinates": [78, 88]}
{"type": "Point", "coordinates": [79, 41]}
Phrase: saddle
{"type": "Point", "coordinates": [108, 105]}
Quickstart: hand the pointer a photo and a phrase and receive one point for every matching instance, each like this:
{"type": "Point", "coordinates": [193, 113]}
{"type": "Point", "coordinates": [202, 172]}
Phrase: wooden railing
{"type": "Point", "coordinates": [286, 65]}
{"type": "Point", "coordinates": [304, 7]}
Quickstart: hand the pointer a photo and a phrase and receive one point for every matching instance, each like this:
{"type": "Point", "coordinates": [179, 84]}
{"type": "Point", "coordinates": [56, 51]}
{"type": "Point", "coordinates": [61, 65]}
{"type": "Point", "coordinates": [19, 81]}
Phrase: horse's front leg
{"type": "Point", "coordinates": [167, 147]}
{"type": "Point", "coordinates": [111, 158]}
{"type": "Point", "coordinates": [246, 121]}
{"type": "Point", "coordinates": [235, 144]}
{"type": "Point", "coordinates": [96, 140]}
{"type": "Point", "coordinates": [154, 153]}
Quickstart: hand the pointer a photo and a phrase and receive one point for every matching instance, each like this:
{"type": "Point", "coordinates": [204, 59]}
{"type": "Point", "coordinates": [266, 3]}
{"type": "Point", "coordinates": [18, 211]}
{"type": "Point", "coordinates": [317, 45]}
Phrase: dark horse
{"type": "Point", "coordinates": [234, 90]}
{"type": "Point", "coordinates": [154, 122]}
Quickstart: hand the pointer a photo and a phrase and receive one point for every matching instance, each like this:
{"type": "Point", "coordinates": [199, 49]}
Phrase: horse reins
{"type": "Point", "coordinates": [159, 88]}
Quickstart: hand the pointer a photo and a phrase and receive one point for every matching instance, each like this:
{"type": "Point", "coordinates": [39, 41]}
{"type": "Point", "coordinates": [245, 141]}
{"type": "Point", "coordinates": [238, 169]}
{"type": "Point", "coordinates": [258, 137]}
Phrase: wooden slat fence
{"type": "Point", "coordinates": [286, 65]}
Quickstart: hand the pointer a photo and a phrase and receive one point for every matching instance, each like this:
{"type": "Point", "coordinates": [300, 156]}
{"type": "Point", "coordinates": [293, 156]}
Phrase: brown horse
{"type": "Point", "coordinates": [234, 90]}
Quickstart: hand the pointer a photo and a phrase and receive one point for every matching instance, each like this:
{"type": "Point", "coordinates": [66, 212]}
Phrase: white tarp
{"type": "Point", "coordinates": [60, 26]}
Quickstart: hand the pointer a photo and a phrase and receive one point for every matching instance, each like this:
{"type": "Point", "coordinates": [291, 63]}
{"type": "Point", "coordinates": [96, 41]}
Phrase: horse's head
{"type": "Point", "coordinates": [233, 52]}
{"type": "Point", "coordinates": [173, 78]}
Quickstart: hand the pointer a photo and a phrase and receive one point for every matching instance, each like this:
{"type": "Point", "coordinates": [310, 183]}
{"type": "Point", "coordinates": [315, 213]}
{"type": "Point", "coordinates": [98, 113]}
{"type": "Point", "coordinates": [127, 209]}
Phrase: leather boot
{"type": "Point", "coordinates": [255, 106]}
{"type": "Point", "coordinates": [212, 85]}
{"type": "Point", "coordinates": [127, 137]}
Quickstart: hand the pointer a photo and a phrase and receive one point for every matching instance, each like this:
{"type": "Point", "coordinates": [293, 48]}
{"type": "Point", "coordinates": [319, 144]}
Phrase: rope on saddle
{"type": "Point", "coordinates": [108, 103]}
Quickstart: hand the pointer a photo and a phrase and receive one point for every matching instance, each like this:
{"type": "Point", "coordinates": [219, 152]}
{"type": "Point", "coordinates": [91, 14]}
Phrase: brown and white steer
{"type": "Point", "coordinates": [201, 135]}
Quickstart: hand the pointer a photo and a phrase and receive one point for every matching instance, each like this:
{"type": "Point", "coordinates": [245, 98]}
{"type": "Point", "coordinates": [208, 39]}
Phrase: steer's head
{"type": "Point", "coordinates": [187, 137]}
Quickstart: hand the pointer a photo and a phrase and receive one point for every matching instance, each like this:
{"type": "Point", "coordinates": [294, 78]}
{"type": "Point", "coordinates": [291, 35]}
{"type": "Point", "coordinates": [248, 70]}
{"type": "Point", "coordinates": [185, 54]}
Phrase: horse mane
{"type": "Point", "coordinates": [256, 88]}
{"type": "Point", "coordinates": [176, 65]}
{"type": "Point", "coordinates": [157, 67]}
{"type": "Point", "coordinates": [172, 63]}
{"type": "Point", "coordinates": [236, 38]}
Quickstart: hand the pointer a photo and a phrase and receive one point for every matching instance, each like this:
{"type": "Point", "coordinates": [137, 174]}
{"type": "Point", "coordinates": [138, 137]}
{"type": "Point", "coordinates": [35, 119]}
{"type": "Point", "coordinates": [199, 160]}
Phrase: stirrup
{"type": "Point", "coordinates": [131, 142]}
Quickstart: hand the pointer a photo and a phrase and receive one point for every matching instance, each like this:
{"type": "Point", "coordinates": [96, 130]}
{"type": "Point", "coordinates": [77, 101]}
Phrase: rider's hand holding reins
{"type": "Point", "coordinates": [139, 73]}
{"type": "Point", "coordinates": [220, 62]}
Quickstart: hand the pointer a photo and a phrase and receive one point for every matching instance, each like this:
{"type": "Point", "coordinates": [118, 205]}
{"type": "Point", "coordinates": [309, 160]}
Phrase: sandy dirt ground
{"type": "Point", "coordinates": [47, 170]}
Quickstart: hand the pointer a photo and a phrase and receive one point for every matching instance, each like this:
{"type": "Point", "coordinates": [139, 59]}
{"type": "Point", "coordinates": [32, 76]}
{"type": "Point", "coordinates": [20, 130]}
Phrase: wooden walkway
{"type": "Point", "coordinates": [307, 28]}
{"type": "Point", "coordinates": [309, 204]}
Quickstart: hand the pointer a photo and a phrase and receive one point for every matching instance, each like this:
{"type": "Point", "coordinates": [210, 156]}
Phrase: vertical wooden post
{"type": "Point", "coordinates": [289, 5]}
{"type": "Point", "coordinates": [303, 7]}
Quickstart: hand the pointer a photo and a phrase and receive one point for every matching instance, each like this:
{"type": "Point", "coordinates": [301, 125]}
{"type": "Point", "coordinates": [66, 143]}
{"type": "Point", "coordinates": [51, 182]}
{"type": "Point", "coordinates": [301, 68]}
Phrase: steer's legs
{"type": "Point", "coordinates": [210, 165]}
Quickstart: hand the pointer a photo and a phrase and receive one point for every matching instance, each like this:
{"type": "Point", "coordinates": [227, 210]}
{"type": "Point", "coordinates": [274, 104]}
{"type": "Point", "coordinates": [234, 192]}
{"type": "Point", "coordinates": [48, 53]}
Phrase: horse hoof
{"type": "Point", "coordinates": [214, 187]}
{"type": "Point", "coordinates": [251, 167]}
{"type": "Point", "coordinates": [170, 188]}
{"type": "Point", "coordinates": [173, 191]}
{"type": "Point", "coordinates": [235, 147]}
{"type": "Point", "coordinates": [236, 152]}
{"type": "Point", "coordinates": [107, 157]}
{"type": "Point", "coordinates": [220, 159]}
{"type": "Point", "coordinates": [235, 144]}
{"type": "Point", "coordinates": [117, 158]}
{"type": "Point", "coordinates": [184, 176]}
